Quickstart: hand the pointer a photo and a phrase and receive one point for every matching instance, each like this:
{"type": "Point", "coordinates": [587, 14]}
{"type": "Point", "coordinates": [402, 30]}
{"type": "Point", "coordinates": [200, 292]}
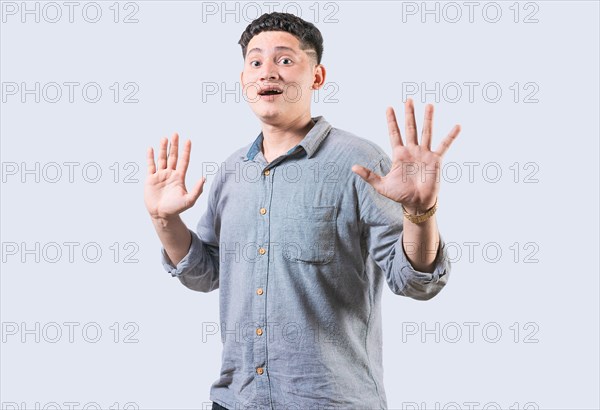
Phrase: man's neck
{"type": "Point", "coordinates": [278, 140]}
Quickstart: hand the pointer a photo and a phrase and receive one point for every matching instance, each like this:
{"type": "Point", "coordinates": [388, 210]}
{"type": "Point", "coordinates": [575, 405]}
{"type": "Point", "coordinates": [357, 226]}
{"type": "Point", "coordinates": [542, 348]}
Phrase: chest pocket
{"type": "Point", "coordinates": [310, 233]}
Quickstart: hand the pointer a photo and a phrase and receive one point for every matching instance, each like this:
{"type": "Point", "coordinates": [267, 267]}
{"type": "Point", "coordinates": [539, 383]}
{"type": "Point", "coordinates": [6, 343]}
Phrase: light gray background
{"type": "Point", "coordinates": [369, 53]}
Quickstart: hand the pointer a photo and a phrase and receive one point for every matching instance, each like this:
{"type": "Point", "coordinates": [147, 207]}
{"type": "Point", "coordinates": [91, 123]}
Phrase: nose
{"type": "Point", "coordinates": [269, 71]}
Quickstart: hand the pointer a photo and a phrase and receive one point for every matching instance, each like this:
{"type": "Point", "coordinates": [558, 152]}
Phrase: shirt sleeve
{"type": "Point", "coordinates": [382, 231]}
{"type": "Point", "coordinates": [199, 269]}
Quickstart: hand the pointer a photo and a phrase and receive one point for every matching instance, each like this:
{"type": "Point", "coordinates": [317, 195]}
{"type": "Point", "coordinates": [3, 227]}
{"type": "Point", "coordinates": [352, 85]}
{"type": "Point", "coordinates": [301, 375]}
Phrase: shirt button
{"type": "Point", "coordinates": [263, 211]}
{"type": "Point", "coordinates": [259, 370]}
{"type": "Point", "coordinates": [267, 172]}
{"type": "Point", "coordinates": [261, 251]}
{"type": "Point", "coordinates": [259, 331]}
{"type": "Point", "coordinates": [259, 291]}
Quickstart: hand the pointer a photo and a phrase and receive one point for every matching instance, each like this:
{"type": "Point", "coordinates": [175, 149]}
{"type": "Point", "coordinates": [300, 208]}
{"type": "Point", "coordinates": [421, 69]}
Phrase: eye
{"type": "Point", "coordinates": [252, 63]}
{"type": "Point", "coordinates": [289, 61]}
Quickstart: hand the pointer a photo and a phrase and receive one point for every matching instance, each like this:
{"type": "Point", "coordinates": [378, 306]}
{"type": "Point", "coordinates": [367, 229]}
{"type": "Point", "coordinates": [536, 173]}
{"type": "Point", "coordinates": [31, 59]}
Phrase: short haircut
{"type": "Point", "coordinates": [311, 40]}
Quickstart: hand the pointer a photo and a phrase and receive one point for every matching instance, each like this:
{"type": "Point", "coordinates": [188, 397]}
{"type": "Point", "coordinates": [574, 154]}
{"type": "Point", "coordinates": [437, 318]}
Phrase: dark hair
{"type": "Point", "coordinates": [311, 40]}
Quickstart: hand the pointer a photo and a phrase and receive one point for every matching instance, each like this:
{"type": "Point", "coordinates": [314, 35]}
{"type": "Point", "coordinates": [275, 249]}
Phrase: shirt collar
{"type": "Point", "coordinates": [310, 142]}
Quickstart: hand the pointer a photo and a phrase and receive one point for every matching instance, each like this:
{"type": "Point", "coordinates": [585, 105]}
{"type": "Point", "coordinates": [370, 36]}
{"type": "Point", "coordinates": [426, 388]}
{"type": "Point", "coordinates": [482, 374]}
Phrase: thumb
{"type": "Point", "coordinates": [369, 176]}
{"type": "Point", "coordinates": [197, 190]}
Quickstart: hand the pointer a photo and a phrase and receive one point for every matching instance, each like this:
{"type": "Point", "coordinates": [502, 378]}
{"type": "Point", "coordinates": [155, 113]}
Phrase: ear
{"type": "Point", "coordinates": [319, 78]}
{"type": "Point", "coordinates": [242, 78]}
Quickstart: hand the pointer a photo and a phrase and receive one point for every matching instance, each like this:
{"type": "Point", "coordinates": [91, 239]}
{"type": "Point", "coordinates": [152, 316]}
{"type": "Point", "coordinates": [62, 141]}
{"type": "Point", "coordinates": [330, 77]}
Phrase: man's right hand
{"type": "Point", "coordinates": [165, 194]}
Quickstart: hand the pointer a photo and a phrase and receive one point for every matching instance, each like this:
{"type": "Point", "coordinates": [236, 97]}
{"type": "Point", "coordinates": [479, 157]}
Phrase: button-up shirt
{"type": "Point", "coordinates": [299, 248]}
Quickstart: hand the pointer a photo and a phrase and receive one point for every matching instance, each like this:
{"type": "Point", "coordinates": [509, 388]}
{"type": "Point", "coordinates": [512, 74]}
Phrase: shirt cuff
{"type": "Point", "coordinates": [189, 261]}
{"type": "Point", "coordinates": [441, 263]}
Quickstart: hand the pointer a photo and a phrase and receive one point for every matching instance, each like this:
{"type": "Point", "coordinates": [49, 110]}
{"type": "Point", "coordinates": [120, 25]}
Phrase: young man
{"type": "Point", "coordinates": [300, 232]}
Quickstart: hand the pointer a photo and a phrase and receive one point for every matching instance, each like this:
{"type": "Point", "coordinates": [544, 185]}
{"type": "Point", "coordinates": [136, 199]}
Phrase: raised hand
{"type": "Point", "coordinates": [413, 179]}
{"type": "Point", "coordinates": [165, 194]}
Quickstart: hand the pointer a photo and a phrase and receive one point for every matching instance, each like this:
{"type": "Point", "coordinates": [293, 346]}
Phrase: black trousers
{"type": "Point", "coordinates": [216, 406]}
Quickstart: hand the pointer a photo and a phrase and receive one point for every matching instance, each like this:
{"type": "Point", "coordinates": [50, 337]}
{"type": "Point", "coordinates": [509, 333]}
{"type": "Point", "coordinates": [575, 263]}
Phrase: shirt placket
{"type": "Point", "coordinates": [260, 289]}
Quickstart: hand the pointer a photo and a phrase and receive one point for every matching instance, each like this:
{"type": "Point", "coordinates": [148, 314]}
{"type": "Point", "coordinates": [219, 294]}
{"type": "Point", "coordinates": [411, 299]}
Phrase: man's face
{"type": "Point", "coordinates": [278, 77]}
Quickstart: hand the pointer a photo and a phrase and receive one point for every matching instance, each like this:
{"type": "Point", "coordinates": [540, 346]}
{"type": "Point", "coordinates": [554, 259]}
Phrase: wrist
{"type": "Point", "coordinates": [420, 214]}
{"type": "Point", "coordinates": [419, 209]}
{"type": "Point", "coordinates": [164, 222]}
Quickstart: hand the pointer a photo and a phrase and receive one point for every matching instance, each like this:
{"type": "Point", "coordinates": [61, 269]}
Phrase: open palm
{"type": "Point", "coordinates": [413, 179]}
{"type": "Point", "coordinates": [165, 194]}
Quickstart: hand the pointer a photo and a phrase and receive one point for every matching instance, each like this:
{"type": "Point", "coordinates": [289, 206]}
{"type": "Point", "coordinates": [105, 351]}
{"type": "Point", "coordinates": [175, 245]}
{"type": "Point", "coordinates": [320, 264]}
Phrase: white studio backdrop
{"type": "Point", "coordinates": [88, 314]}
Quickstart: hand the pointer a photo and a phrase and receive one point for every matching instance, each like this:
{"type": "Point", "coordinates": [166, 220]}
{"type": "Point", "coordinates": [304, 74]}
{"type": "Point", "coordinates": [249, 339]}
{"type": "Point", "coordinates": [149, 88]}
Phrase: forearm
{"type": "Point", "coordinates": [420, 242]}
{"type": "Point", "coordinates": [174, 236]}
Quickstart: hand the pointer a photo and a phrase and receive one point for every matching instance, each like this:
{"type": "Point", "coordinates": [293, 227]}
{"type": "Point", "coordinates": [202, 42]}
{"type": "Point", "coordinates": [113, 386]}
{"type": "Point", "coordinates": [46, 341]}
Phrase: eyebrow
{"type": "Point", "coordinates": [278, 48]}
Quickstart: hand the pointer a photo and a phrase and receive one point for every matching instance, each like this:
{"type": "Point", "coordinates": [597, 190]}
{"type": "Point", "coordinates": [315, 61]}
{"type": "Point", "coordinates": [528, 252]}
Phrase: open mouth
{"type": "Point", "coordinates": [270, 91]}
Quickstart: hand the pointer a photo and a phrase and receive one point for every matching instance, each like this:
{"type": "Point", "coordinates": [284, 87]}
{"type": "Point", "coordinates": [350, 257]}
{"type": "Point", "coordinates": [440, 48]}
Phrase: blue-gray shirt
{"type": "Point", "coordinates": [300, 248]}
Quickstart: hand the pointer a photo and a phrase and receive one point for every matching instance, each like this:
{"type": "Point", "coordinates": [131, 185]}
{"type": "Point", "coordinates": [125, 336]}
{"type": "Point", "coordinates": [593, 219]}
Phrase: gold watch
{"type": "Point", "coordinates": [417, 219]}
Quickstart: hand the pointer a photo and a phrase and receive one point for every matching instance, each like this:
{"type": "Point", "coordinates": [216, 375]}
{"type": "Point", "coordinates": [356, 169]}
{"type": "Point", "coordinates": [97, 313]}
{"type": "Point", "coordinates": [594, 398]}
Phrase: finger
{"type": "Point", "coordinates": [446, 142]}
{"type": "Point", "coordinates": [411, 124]}
{"type": "Point", "coordinates": [162, 153]}
{"type": "Point", "coordinates": [393, 130]}
{"type": "Point", "coordinates": [368, 175]}
{"type": "Point", "coordinates": [194, 194]}
{"type": "Point", "coordinates": [427, 127]}
{"type": "Point", "coordinates": [150, 161]}
{"type": "Point", "coordinates": [184, 159]}
{"type": "Point", "coordinates": [173, 151]}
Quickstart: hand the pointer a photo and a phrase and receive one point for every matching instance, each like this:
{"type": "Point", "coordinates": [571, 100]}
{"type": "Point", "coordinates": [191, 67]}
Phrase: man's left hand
{"type": "Point", "coordinates": [413, 179]}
